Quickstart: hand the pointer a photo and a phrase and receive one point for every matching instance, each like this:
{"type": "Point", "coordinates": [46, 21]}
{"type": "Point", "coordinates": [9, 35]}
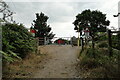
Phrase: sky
{"type": "Point", "coordinates": [61, 13]}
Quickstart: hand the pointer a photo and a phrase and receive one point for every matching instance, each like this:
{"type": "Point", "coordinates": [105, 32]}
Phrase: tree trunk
{"type": "Point", "coordinates": [93, 43]}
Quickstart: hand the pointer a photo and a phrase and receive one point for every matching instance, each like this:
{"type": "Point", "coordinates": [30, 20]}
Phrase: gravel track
{"type": "Point", "coordinates": [61, 62]}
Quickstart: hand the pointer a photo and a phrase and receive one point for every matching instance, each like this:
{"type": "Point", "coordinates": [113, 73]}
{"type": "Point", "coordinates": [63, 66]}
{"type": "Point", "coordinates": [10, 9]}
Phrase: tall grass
{"type": "Point", "coordinates": [99, 63]}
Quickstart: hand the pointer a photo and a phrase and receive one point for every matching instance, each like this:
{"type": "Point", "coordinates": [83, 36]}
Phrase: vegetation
{"type": "Point", "coordinates": [41, 27]}
{"type": "Point", "coordinates": [24, 68]}
{"type": "Point", "coordinates": [17, 42]}
{"type": "Point", "coordinates": [116, 41]}
{"type": "Point", "coordinates": [95, 60]}
{"type": "Point", "coordinates": [96, 63]}
{"type": "Point", "coordinates": [95, 21]}
{"type": "Point", "coordinates": [102, 66]}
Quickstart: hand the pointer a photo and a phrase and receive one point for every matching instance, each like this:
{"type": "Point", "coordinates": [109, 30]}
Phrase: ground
{"type": "Point", "coordinates": [61, 64]}
{"type": "Point", "coordinates": [51, 61]}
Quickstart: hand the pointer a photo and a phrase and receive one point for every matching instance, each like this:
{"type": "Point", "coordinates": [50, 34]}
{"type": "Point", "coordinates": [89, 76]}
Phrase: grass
{"type": "Point", "coordinates": [97, 63]}
{"type": "Point", "coordinates": [24, 68]}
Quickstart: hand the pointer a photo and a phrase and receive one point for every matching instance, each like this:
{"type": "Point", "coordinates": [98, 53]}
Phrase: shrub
{"type": "Point", "coordinates": [103, 44]}
{"type": "Point", "coordinates": [16, 39]}
{"type": "Point", "coordinates": [89, 63]}
{"type": "Point", "coordinates": [102, 65]}
{"type": "Point", "coordinates": [88, 58]}
{"type": "Point", "coordinates": [101, 38]}
{"type": "Point", "coordinates": [116, 41]}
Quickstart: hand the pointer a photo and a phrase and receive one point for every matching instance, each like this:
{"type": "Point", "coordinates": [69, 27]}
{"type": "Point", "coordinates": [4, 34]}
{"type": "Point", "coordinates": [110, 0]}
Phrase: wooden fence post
{"type": "Point", "coordinates": [81, 39]}
{"type": "Point", "coordinates": [118, 52]}
{"type": "Point", "coordinates": [109, 43]}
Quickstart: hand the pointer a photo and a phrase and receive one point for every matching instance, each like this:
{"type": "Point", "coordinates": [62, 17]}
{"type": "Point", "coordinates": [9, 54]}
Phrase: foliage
{"type": "Point", "coordinates": [9, 57]}
{"type": "Point", "coordinates": [100, 36]}
{"type": "Point", "coordinates": [17, 41]}
{"type": "Point", "coordinates": [41, 27]}
{"type": "Point", "coordinates": [108, 65]}
{"type": "Point", "coordinates": [103, 44]}
{"type": "Point", "coordinates": [102, 41]}
{"type": "Point", "coordinates": [94, 20]}
{"type": "Point", "coordinates": [40, 24]}
{"type": "Point", "coordinates": [116, 41]}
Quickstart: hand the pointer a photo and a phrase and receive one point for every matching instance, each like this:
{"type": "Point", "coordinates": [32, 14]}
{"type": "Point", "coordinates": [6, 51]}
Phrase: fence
{"type": "Point", "coordinates": [110, 40]}
{"type": "Point", "coordinates": [41, 41]}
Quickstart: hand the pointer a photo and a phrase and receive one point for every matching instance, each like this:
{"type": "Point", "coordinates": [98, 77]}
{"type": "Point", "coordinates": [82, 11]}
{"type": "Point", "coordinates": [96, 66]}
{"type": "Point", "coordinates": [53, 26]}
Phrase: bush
{"type": "Point", "coordinates": [101, 38]}
{"type": "Point", "coordinates": [116, 41]}
{"type": "Point", "coordinates": [103, 44]}
{"type": "Point", "coordinates": [88, 58]}
{"type": "Point", "coordinates": [89, 63]}
{"type": "Point", "coordinates": [16, 39]}
{"type": "Point", "coordinates": [100, 62]}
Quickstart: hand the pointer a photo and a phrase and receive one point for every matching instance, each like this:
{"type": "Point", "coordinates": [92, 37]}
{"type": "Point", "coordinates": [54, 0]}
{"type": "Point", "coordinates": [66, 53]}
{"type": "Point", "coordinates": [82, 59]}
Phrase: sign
{"type": "Point", "coordinates": [86, 33]}
{"type": "Point", "coordinates": [33, 31]}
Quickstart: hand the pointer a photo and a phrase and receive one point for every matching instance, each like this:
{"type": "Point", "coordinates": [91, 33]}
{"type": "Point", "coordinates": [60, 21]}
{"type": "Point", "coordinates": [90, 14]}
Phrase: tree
{"type": "Point", "coordinates": [94, 20]}
{"type": "Point", "coordinates": [7, 13]}
{"type": "Point", "coordinates": [41, 27]}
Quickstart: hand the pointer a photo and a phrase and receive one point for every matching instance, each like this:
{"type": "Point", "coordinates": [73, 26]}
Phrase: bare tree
{"type": "Point", "coordinates": [4, 9]}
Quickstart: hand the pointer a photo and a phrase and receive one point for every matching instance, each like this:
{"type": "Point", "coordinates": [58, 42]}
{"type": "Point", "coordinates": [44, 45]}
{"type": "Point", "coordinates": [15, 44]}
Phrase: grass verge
{"type": "Point", "coordinates": [24, 68]}
{"type": "Point", "coordinates": [97, 64]}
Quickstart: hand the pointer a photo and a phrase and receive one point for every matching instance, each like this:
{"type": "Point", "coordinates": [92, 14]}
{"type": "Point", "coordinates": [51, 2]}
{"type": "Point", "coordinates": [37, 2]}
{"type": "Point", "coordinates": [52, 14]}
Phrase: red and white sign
{"type": "Point", "coordinates": [86, 30]}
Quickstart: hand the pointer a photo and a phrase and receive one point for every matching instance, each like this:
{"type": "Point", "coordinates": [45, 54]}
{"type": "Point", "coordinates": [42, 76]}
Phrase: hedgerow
{"type": "Point", "coordinates": [17, 42]}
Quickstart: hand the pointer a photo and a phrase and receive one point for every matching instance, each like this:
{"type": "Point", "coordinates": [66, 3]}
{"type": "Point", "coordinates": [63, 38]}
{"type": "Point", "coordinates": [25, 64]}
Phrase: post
{"type": "Point", "coordinates": [118, 53]}
{"type": "Point", "coordinates": [78, 40]}
{"type": "Point", "coordinates": [109, 43]}
{"type": "Point", "coordinates": [93, 44]}
{"type": "Point", "coordinates": [81, 39]}
{"type": "Point", "coordinates": [44, 40]}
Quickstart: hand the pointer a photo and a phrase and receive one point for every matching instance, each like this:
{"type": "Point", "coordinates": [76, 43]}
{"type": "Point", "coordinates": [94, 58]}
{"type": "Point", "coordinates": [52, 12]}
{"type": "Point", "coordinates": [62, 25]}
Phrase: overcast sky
{"type": "Point", "coordinates": [61, 13]}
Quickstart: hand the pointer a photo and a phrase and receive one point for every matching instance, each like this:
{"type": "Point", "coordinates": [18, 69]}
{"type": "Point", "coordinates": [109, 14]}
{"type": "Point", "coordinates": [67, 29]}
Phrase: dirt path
{"type": "Point", "coordinates": [61, 63]}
